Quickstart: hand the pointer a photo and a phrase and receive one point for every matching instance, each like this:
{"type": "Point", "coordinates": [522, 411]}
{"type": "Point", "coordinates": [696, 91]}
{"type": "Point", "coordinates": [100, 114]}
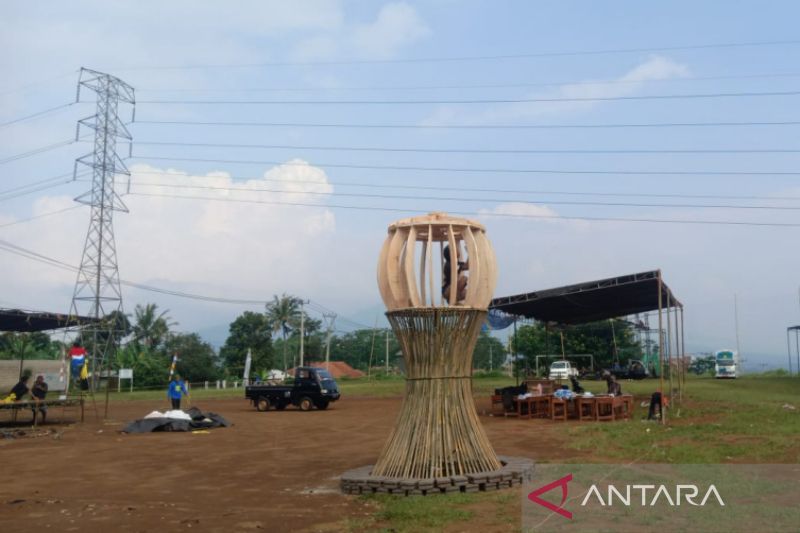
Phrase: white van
{"type": "Point", "coordinates": [562, 370]}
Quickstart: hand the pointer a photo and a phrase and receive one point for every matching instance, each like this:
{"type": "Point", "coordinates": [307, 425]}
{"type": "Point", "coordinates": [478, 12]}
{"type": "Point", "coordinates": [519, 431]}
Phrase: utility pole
{"type": "Point", "coordinates": [97, 290]}
{"type": "Point", "coordinates": [736, 325]}
{"type": "Point", "coordinates": [302, 331]}
{"type": "Point", "coordinates": [330, 319]}
{"type": "Point", "coordinates": [387, 351]}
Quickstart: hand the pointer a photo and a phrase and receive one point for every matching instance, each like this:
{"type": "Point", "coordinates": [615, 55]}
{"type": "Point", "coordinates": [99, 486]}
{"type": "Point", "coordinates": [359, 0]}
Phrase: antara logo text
{"type": "Point", "coordinates": [629, 495]}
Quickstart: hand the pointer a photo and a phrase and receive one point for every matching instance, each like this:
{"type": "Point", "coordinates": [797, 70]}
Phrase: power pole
{"type": "Point", "coordinates": [97, 289]}
{"type": "Point", "coordinates": [330, 319]}
{"type": "Point", "coordinates": [302, 330]}
{"type": "Point", "coordinates": [387, 351]}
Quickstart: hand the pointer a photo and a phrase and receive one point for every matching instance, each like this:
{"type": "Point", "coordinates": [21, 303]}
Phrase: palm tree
{"type": "Point", "coordinates": [151, 328]}
{"type": "Point", "coordinates": [281, 313]}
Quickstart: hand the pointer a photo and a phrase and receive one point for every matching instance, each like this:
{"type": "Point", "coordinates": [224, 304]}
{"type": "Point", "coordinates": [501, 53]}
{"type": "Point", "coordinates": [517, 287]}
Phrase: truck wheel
{"type": "Point", "coordinates": [305, 403]}
{"type": "Point", "coordinates": [262, 404]}
{"type": "Point", "coordinates": [322, 404]}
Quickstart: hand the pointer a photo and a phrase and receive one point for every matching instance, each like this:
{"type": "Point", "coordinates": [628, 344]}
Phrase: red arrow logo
{"type": "Point", "coordinates": [534, 496]}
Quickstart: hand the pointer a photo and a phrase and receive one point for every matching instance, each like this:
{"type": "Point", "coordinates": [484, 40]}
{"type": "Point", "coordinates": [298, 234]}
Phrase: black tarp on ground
{"type": "Point", "coordinates": [200, 420]}
{"type": "Point", "coordinates": [592, 300]}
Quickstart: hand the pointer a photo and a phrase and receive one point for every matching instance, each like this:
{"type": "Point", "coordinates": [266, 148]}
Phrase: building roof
{"type": "Point", "coordinates": [592, 300]}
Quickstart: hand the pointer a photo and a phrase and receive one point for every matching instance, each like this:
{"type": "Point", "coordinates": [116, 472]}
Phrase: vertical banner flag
{"type": "Point", "coordinates": [62, 371]}
{"type": "Point", "coordinates": [247, 362]}
{"type": "Point", "coordinates": [173, 365]}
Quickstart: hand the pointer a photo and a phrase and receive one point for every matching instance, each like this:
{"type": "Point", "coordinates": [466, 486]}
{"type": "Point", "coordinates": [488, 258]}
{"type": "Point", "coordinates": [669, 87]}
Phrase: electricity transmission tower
{"type": "Point", "coordinates": [97, 289]}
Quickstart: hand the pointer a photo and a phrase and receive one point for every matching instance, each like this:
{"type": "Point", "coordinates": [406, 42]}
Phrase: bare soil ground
{"type": "Point", "coordinates": [275, 471]}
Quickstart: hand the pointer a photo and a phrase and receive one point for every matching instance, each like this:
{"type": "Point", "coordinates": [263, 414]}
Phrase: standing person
{"type": "Point", "coordinates": [77, 356]}
{"type": "Point", "coordinates": [38, 393]}
{"type": "Point", "coordinates": [177, 388]}
{"type": "Point", "coordinates": [461, 283]}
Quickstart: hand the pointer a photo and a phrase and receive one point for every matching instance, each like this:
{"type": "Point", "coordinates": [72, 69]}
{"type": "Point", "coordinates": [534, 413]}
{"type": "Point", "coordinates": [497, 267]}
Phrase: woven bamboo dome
{"type": "Point", "coordinates": [436, 275]}
{"type": "Point", "coordinates": [413, 259]}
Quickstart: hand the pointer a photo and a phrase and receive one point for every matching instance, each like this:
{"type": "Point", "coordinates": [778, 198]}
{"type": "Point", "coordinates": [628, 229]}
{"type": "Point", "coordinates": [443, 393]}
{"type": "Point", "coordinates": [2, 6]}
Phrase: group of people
{"type": "Point", "coordinates": [38, 392]}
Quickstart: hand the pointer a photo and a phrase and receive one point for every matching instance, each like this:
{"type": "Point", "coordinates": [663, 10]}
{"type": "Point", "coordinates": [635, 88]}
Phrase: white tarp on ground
{"type": "Point", "coordinates": [176, 414]}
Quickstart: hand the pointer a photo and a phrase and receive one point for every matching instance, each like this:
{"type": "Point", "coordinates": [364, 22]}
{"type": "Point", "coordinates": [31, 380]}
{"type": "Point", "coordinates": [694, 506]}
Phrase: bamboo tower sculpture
{"type": "Point", "coordinates": [437, 321]}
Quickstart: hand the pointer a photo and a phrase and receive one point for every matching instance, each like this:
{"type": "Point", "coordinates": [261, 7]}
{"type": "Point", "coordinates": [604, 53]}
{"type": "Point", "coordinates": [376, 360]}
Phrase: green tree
{"type": "Point", "coordinates": [281, 313]}
{"type": "Point", "coordinates": [151, 328]}
{"type": "Point", "coordinates": [489, 352]}
{"type": "Point", "coordinates": [600, 339]}
{"type": "Point", "coordinates": [249, 330]}
{"type": "Point", "coordinates": [150, 367]}
{"type": "Point", "coordinates": [197, 360]}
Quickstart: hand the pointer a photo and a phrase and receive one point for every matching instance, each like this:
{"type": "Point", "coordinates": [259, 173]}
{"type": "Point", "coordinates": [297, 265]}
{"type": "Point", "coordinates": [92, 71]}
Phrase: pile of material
{"type": "Point", "coordinates": [189, 420]}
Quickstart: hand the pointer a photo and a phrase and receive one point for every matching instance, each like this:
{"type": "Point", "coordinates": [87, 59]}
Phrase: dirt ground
{"type": "Point", "coordinates": [275, 471]}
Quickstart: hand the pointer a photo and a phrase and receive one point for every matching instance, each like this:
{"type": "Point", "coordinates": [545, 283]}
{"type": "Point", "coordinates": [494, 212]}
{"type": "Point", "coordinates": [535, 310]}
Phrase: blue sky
{"type": "Point", "coordinates": [328, 50]}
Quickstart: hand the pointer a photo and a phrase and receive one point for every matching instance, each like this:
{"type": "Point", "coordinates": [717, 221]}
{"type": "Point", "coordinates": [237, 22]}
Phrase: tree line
{"type": "Point", "coordinates": [147, 339]}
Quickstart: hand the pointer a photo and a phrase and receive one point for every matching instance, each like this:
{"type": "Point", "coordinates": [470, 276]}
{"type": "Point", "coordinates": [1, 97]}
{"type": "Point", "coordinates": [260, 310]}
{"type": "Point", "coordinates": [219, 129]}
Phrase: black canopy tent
{"type": "Point", "coordinates": [20, 321]}
{"type": "Point", "coordinates": [30, 321]}
{"type": "Point", "coordinates": [592, 300]}
{"type": "Point", "coordinates": [605, 299]}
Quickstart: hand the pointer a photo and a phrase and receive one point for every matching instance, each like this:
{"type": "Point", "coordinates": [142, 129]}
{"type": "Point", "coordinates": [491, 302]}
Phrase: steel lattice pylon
{"type": "Point", "coordinates": [97, 289]}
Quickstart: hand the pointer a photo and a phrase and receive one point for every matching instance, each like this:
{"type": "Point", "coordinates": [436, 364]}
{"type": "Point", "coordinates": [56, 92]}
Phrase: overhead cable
{"type": "Point", "coordinates": [463, 199]}
{"type": "Point", "coordinates": [471, 126]}
{"type": "Point", "coordinates": [476, 101]}
{"type": "Point", "coordinates": [461, 187]}
{"type": "Point", "coordinates": [486, 214]}
{"type": "Point", "coordinates": [531, 55]}
{"type": "Point", "coordinates": [476, 150]}
{"type": "Point", "coordinates": [498, 170]}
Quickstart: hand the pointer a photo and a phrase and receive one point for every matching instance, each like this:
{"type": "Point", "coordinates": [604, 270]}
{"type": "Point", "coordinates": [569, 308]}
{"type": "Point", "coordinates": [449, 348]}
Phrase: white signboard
{"type": "Point", "coordinates": [124, 373]}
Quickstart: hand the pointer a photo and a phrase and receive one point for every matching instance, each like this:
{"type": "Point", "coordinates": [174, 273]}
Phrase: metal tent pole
{"type": "Point", "coordinates": [669, 344]}
{"type": "Point", "coordinates": [660, 348]}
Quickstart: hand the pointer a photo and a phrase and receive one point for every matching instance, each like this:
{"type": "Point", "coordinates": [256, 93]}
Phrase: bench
{"type": "Point", "coordinates": [29, 405]}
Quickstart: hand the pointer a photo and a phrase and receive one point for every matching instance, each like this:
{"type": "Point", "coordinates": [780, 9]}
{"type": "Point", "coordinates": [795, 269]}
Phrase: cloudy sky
{"type": "Point", "coordinates": [235, 196]}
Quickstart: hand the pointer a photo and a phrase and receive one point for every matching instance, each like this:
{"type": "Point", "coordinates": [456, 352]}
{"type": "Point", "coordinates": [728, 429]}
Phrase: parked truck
{"type": "Point", "coordinates": [726, 364]}
{"type": "Point", "coordinates": [312, 387]}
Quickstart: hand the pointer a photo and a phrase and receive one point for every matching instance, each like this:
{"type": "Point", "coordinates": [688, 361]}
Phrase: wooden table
{"type": "Point", "coordinates": [15, 407]}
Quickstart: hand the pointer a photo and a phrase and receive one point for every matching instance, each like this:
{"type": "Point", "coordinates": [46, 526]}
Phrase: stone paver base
{"type": "Point", "coordinates": [515, 471]}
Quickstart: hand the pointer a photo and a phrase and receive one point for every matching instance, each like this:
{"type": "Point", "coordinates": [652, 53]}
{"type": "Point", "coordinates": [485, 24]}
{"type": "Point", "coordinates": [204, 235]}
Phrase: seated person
{"type": "Point", "coordinates": [614, 388]}
{"type": "Point", "coordinates": [576, 386]}
{"type": "Point", "coordinates": [19, 390]}
{"type": "Point", "coordinates": [38, 393]}
{"type": "Point", "coordinates": [461, 287]}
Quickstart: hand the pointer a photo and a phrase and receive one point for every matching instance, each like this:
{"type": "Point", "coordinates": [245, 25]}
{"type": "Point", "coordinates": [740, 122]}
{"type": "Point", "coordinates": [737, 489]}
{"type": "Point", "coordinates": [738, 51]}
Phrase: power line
{"type": "Point", "coordinates": [476, 101]}
{"type": "Point", "coordinates": [474, 150]}
{"type": "Point", "coordinates": [482, 170]}
{"type": "Point", "coordinates": [480, 200]}
{"type": "Point", "coordinates": [473, 126]}
{"type": "Point", "coordinates": [475, 189]}
{"type": "Point", "coordinates": [572, 53]}
{"type": "Point", "coordinates": [30, 254]}
{"type": "Point", "coordinates": [50, 213]}
{"type": "Point", "coordinates": [501, 215]}
{"type": "Point", "coordinates": [42, 181]}
{"type": "Point", "coordinates": [39, 82]}
{"type": "Point", "coordinates": [36, 151]}
{"type": "Point", "coordinates": [37, 114]}
{"type": "Point", "coordinates": [473, 86]}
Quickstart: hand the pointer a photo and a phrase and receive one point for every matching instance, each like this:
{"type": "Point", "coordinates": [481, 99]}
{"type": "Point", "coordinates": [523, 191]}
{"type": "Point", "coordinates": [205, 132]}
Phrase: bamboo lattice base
{"type": "Point", "coordinates": [437, 433]}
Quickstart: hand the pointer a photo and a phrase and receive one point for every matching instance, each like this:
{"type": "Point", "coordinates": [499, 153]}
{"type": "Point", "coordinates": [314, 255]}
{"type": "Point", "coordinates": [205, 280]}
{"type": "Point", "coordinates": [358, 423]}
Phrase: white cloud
{"type": "Point", "coordinates": [630, 83]}
{"type": "Point", "coordinates": [397, 25]}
